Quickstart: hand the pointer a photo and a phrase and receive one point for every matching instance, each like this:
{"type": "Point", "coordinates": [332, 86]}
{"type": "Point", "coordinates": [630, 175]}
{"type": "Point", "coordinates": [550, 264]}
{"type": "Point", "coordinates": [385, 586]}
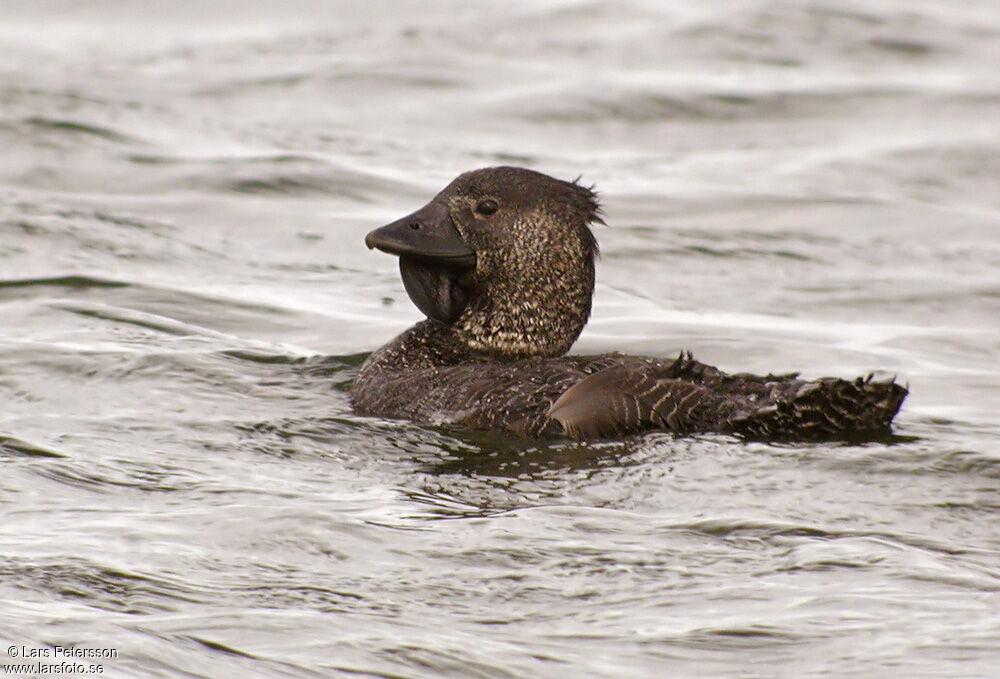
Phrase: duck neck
{"type": "Point", "coordinates": [525, 316]}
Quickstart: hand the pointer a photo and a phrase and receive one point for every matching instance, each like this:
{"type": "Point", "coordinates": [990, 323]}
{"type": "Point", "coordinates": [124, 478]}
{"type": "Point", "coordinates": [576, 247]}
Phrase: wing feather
{"type": "Point", "coordinates": [627, 399]}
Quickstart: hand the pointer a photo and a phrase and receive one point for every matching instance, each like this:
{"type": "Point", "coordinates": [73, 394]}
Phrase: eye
{"type": "Point", "coordinates": [487, 207]}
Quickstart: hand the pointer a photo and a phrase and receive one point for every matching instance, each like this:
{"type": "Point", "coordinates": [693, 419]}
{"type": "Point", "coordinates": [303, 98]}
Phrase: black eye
{"type": "Point", "coordinates": [487, 207]}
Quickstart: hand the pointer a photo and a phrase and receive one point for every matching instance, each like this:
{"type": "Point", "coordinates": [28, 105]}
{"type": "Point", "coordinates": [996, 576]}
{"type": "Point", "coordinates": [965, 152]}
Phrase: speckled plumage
{"type": "Point", "coordinates": [516, 306]}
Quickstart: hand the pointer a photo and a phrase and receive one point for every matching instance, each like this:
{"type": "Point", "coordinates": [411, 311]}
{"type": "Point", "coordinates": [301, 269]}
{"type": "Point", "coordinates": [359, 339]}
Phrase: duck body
{"type": "Point", "coordinates": [502, 263]}
{"type": "Point", "coordinates": [423, 376]}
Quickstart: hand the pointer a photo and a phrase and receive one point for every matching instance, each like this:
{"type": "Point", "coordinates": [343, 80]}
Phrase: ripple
{"type": "Point", "coordinates": [70, 128]}
{"type": "Point", "coordinates": [16, 447]}
{"type": "Point", "coordinates": [74, 282]}
{"type": "Point", "coordinates": [100, 586]}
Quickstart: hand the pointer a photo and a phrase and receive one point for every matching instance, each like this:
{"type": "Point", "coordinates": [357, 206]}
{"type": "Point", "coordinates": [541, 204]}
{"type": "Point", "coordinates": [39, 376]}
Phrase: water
{"type": "Point", "coordinates": [185, 299]}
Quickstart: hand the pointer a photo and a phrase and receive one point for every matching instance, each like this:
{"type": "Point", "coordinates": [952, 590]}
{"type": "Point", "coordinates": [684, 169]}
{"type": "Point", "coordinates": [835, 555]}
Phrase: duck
{"type": "Point", "coordinates": [502, 264]}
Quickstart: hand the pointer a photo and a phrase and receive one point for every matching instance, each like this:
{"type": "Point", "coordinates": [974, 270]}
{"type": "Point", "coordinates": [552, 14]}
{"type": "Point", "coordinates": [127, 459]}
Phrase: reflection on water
{"type": "Point", "coordinates": [185, 299]}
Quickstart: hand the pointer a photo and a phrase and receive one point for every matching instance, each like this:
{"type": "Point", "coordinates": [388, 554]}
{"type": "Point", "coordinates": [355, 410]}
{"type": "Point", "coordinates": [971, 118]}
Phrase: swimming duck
{"type": "Point", "coordinates": [502, 264]}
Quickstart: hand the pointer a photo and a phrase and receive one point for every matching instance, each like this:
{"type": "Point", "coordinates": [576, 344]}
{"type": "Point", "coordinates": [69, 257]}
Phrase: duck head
{"type": "Point", "coordinates": [504, 256]}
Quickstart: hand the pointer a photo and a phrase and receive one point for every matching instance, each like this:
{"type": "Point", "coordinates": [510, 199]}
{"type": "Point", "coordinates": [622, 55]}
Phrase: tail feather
{"type": "Point", "coordinates": [826, 408]}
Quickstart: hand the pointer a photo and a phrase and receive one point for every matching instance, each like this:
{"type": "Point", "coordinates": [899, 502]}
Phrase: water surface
{"type": "Point", "coordinates": [185, 299]}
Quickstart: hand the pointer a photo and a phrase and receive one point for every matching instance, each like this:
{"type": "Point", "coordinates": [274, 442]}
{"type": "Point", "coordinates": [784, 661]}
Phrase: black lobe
{"type": "Point", "coordinates": [435, 289]}
{"type": "Point", "coordinates": [432, 259]}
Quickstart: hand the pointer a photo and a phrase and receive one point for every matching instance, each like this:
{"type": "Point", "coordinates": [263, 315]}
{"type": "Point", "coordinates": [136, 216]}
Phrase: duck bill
{"type": "Point", "coordinates": [433, 260]}
{"type": "Point", "coordinates": [428, 233]}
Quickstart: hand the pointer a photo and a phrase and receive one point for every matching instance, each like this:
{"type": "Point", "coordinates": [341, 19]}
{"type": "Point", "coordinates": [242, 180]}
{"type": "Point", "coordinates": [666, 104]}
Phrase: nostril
{"type": "Point", "coordinates": [415, 225]}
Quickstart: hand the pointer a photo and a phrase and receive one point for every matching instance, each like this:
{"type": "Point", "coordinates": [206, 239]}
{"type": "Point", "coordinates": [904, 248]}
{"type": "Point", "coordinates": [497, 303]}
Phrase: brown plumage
{"type": "Point", "coordinates": [502, 263]}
